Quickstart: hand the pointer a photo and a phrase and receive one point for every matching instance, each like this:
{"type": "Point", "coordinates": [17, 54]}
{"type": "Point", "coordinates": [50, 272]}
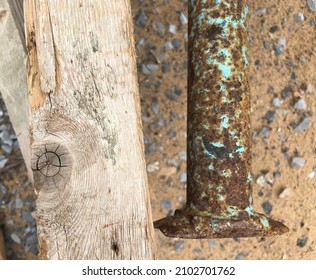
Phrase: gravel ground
{"type": "Point", "coordinates": [283, 66]}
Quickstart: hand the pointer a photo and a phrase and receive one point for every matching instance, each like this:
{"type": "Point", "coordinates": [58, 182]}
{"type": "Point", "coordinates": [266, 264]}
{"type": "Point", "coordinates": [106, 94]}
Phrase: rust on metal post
{"type": "Point", "coordinates": [219, 192]}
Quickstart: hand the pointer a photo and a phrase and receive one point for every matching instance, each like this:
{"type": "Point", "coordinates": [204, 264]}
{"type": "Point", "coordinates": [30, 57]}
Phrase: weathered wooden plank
{"type": "Point", "coordinates": [86, 138]}
{"type": "Point", "coordinates": [13, 85]}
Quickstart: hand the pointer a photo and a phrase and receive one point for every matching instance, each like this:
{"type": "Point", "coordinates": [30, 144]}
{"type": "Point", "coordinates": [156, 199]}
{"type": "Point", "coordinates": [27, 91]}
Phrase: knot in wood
{"type": "Point", "coordinates": [51, 165]}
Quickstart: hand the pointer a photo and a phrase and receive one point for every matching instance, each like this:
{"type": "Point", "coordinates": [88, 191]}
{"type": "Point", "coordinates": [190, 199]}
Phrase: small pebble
{"type": "Point", "coordinates": [167, 46]}
{"type": "Point", "coordinates": [276, 102]}
{"type": "Point", "coordinates": [264, 131]}
{"type": "Point", "coordinates": [3, 161]}
{"type": "Point", "coordinates": [176, 43]}
{"type": "Point", "coordinates": [148, 69]}
{"type": "Point", "coordinates": [159, 27]}
{"type": "Point", "coordinates": [166, 203]}
{"type": "Point", "coordinates": [261, 180]}
{"type": "Point", "coordinates": [165, 68]}
{"type": "Point", "coordinates": [299, 17]}
{"type": "Point", "coordinates": [197, 250]}
{"type": "Point", "coordinates": [303, 124]}
{"type": "Point", "coordinates": [15, 238]}
{"type": "Point", "coordinates": [282, 41]}
{"type": "Point", "coordinates": [274, 29]}
{"type": "Point", "coordinates": [183, 177]}
{"type": "Point", "coordinates": [6, 148]}
{"type": "Point", "coordinates": [153, 147]}
{"type": "Point", "coordinates": [5, 138]}
{"type": "Point", "coordinates": [311, 5]}
{"type": "Point", "coordinates": [172, 29]}
{"type": "Point", "coordinates": [160, 123]}
{"type": "Point", "coordinates": [266, 45]}
{"type": "Point", "coordinates": [179, 245]}
{"type": "Point", "coordinates": [158, 56]}
{"type": "Point", "coordinates": [298, 162]}
{"type": "Point", "coordinates": [27, 216]}
{"type": "Point", "coordinates": [311, 175]}
{"type": "Point", "coordinates": [172, 132]}
{"type": "Point", "coordinates": [261, 11]}
{"type": "Point", "coordinates": [170, 93]}
{"type": "Point", "coordinates": [267, 207]}
{"type": "Point", "coordinates": [183, 19]}
{"type": "Point", "coordinates": [141, 19]}
{"type": "Point", "coordinates": [154, 106]}
{"type": "Point", "coordinates": [301, 242]}
{"type": "Point", "coordinates": [173, 115]}
{"type": "Point", "coordinates": [286, 92]}
{"type": "Point", "coordinates": [284, 193]}
{"type": "Point", "coordinates": [140, 43]}
{"type": "Point", "coordinates": [212, 243]}
{"type": "Point", "coordinates": [302, 59]}
{"type": "Point", "coordinates": [271, 89]}
{"type": "Point", "coordinates": [18, 203]}
{"type": "Point", "coordinates": [173, 162]}
{"type": "Point", "coordinates": [276, 174]}
{"type": "Point", "coordinates": [32, 239]}
{"type": "Point", "coordinates": [152, 167]}
{"type": "Point", "coordinates": [183, 155]}
{"type": "Point", "coordinates": [270, 116]}
{"type": "Point", "coordinates": [300, 104]}
{"type": "Point", "coordinates": [240, 256]}
{"type": "Point", "coordinates": [4, 195]}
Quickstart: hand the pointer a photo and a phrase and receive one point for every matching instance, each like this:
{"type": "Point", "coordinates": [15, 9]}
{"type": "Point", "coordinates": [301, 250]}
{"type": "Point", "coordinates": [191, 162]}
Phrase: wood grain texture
{"type": "Point", "coordinates": [87, 145]}
{"type": "Point", "coordinates": [13, 84]}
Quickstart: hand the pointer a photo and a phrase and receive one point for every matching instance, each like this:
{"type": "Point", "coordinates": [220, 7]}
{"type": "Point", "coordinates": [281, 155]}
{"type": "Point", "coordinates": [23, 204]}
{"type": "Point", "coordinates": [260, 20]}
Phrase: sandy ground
{"type": "Point", "coordinates": [282, 64]}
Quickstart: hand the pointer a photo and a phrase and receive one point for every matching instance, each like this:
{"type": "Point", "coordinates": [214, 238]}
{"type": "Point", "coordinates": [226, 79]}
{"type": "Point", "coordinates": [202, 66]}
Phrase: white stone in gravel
{"type": "Point", "coordinates": [148, 69]}
{"type": "Point", "coordinates": [183, 177]}
{"type": "Point", "coordinates": [298, 162]}
{"type": "Point", "coordinates": [3, 161]}
{"type": "Point", "coordinates": [299, 17]}
{"type": "Point", "coordinates": [284, 193]}
{"type": "Point", "coordinates": [15, 238]}
{"type": "Point", "coordinates": [5, 138]}
{"type": "Point", "coordinates": [172, 29]}
{"type": "Point", "coordinates": [168, 46]}
{"type": "Point", "coordinates": [282, 41]}
{"type": "Point", "coordinates": [6, 148]}
{"type": "Point", "coordinates": [261, 11]}
{"type": "Point", "coordinates": [183, 19]}
{"type": "Point", "coordinates": [277, 102]}
{"type": "Point", "coordinates": [183, 155]}
{"type": "Point", "coordinates": [18, 203]}
{"type": "Point", "coordinates": [311, 5]}
{"type": "Point", "coordinates": [261, 180]}
{"type": "Point", "coordinates": [152, 167]}
{"type": "Point", "coordinates": [311, 175]}
{"type": "Point", "coordinates": [300, 104]}
{"type": "Point", "coordinates": [173, 162]}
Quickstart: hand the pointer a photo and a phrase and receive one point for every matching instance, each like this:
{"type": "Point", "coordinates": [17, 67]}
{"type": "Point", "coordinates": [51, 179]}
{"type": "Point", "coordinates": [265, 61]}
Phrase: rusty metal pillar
{"type": "Point", "coordinates": [219, 191]}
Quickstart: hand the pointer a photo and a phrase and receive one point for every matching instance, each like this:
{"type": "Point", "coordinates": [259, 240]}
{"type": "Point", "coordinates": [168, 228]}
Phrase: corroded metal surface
{"type": "Point", "coordinates": [219, 194]}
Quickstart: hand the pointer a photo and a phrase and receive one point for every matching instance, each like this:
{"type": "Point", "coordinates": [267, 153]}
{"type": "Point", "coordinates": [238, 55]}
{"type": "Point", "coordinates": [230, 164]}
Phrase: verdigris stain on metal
{"type": "Point", "coordinates": [219, 192]}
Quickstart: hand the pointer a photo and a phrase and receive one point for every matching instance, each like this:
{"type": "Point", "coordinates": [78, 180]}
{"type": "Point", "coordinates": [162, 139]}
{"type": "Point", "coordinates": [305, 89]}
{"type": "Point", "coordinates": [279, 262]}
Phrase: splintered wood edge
{"type": "Point", "coordinates": [36, 95]}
